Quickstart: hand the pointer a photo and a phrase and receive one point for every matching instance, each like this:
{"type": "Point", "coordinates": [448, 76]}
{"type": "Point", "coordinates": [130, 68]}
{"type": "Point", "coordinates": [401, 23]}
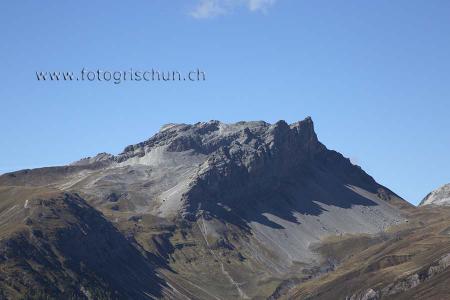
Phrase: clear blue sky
{"type": "Point", "coordinates": [374, 75]}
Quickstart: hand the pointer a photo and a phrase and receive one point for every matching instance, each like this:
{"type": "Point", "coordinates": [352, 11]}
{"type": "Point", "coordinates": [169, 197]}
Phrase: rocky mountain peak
{"type": "Point", "coordinates": [440, 196]}
{"type": "Point", "coordinates": [208, 137]}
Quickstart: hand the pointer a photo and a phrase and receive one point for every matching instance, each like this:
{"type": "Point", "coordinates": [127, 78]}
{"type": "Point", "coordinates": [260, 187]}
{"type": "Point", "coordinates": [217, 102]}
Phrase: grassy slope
{"type": "Point", "coordinates": [54, 245]}
{"type": "Point", "coordinates": [376, 262]}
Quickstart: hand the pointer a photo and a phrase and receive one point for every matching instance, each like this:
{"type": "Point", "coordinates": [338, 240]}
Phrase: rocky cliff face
{"type": "Point", "coordinates": [440, 196]}
{"type": "Point", "coordinates": [233, 209]}
{"type": "Point", "coordinates": [405, 284]}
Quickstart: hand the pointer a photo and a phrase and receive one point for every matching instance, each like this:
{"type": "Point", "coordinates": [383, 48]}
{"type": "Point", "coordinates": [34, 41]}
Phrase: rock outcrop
{"type": "Point", "coordinates": [440, 196]}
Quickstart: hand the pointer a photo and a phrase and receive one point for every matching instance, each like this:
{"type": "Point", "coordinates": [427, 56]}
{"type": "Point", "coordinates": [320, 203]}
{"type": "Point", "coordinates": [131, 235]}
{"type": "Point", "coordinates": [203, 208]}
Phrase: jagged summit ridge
{"type": "Point", "coordinates": [207, 137]}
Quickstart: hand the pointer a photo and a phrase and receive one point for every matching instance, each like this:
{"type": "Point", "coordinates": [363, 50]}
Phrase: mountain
{"type": "Point", "coordinates": [440, 196]}
{"type": "Point", "coordinates": [203, 211]}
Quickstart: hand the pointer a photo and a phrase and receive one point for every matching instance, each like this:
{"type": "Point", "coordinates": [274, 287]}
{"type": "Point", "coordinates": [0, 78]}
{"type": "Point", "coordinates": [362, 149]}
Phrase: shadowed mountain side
{"type": "Point", "coordinates": [281, 197]}
{"type": "Point", "coordinates": [61, 247]}
{"type": "Point", "coordinates": [281, 177]}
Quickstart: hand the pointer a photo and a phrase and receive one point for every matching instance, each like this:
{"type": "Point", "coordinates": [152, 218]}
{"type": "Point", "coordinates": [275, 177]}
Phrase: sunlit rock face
{"type": "Point", "coordinates": [440, 196]}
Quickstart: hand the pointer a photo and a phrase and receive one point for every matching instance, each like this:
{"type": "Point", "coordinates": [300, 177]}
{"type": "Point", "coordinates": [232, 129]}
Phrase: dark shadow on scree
{"type": "Point", "coordinates": [303, 192]}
